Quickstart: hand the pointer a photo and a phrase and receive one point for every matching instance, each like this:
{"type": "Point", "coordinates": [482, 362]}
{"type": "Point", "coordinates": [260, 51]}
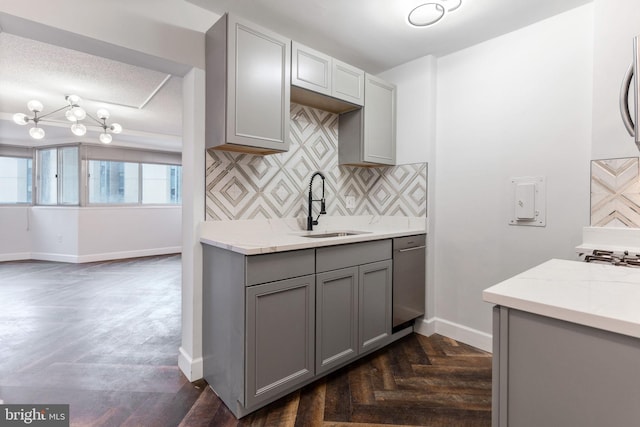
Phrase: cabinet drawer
{"type": "Point", "coordinates": [335, 257]}
{"type": "Point", "coordinates": [277, 266]}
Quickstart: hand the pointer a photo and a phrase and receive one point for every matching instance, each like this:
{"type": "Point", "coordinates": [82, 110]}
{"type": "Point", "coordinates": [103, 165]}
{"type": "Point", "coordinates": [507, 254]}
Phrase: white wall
{"type": "Point", "coordinates": [128, 232]}
{"type": "Point", "coordinates": [193, 179]}
{"type": "Point", "coordinates": [72, 234]}
{"type": "Point", "coordinates": [415, 109]}
{"type": "Point", "coordinates": [53, 233]}
{"type": "Point", "coordinates": [517, 105]}
{"type": "Point", "coordinates": [15, 241]}
{"type": "Point", "coordinates": [616, 23]}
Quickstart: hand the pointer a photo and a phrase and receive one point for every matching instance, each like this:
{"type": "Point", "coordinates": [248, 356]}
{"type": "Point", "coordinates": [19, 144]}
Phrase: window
{"type": "Point", "coordinates": [113, 182]}
{"type": "Point", "coordinates": [69, 172]}
{"type": "Point", "coordinates": [15, 180]}
{"type": "Point", "coordinates": [48, 176]}
{"type": "Point", "coordinates": [161, 184]}
{"type": "Point", "coordinates": [81, 175]}
{"type": "Point", "coordinates": [58, 176]}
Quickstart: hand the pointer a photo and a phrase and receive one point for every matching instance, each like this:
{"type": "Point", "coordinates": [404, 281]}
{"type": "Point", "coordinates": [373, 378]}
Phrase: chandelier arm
{"type": "Point", "coordinates": [102, 125]}
{"type": "Point", "coordinates": [53, 112]}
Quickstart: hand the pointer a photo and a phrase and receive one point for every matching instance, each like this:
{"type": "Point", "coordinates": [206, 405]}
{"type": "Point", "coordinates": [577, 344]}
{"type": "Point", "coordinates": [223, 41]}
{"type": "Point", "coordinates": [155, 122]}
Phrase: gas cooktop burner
{"type": "Point", "coordinates": [614, 258]}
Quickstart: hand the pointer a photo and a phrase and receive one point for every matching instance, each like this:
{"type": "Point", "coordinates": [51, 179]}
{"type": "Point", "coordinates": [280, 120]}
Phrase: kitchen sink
{"type": "Point", "coordinates": [332, 234]}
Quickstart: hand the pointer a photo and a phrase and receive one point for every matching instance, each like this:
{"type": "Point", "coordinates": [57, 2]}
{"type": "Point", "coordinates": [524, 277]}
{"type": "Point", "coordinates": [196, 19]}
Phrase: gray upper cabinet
{"type": "Point", "coordinates": [248, 87]}
{"type": "Point", "coordinates": [367, 137]}
{"type": "Point", "coordinates": [348, 82]}
{"type": "Point", "coordinates": [310, 69]}
{"type": "Point", "coordinates": [323, 82]}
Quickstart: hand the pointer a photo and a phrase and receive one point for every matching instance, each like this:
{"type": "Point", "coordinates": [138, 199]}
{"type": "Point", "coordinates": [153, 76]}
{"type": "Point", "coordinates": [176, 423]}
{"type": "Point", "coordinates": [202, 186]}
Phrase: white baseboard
{"type": "Point", "coordinates": [47, 256]}
{"type": "Point", "coordinates": [470, 336]}
{"type": "Point", "coordinates": [129, 254]}
{"type": "Point", "coordinates": [20, 256]}
{"type": "Point", "coordinates": [191, 368]}
{"type": "Point", "coordinates": [77, 259]}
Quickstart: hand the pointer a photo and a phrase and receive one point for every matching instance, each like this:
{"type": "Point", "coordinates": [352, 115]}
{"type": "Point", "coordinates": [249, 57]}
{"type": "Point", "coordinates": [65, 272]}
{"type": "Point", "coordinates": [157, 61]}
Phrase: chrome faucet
{"type": "Point", "coordinates": [323, 209]}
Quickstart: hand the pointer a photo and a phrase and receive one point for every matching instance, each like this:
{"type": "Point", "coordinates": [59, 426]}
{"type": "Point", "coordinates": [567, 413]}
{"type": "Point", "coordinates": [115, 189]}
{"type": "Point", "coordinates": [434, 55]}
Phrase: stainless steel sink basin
{"type": "Point", "coordinates": [332, 234]}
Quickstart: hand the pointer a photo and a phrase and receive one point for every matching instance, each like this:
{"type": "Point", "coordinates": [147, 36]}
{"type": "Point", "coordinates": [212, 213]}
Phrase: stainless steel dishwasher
{"type": "Point", "coordinates": [408, 279]}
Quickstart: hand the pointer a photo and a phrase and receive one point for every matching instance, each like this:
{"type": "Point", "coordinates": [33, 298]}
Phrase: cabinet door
{"type": "Point", "coordinates": [336, 318]}
{"type": "Point", "coordinates": [379, 145]}
{"type": "Point", "coordinates": [310, 69]}
{"type": "Point", "coordinates": [375, 304]}
{"type": "Point", "coordinates": [258, 86]}
{"type": "Point", "coordinates": [279, 337]}
{"type": "Point", "coordinates": [347, 83]}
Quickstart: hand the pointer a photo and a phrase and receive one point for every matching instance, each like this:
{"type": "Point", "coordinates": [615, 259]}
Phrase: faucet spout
{"type": "Point", "coordinates": [323, 209]}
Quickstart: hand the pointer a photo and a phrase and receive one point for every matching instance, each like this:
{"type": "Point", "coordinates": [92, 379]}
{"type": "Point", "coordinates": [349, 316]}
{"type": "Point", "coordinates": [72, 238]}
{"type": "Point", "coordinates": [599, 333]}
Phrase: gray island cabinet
{"type": "Point", "coordinates": [566, 346]}
{"type": "Point", "coordinates": [274, 322]}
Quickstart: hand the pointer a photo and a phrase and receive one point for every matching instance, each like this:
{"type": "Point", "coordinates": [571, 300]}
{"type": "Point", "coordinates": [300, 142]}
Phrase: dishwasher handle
{"type": "Point", "coordinates": [415, 248]}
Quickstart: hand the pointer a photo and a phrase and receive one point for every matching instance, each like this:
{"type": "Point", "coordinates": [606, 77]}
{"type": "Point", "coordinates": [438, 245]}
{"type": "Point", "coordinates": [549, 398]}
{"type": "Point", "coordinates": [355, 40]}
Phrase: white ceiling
{"type": "Point", "coordinates": [370, 34]}
{"type": "Point", "coordinates": [374, 35]}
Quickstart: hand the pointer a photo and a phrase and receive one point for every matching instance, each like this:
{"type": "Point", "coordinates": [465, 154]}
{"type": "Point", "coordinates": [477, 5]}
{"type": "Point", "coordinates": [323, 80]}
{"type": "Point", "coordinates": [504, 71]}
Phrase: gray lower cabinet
{"type": "Point", "coordinates": [274, 322]}
{"type": "Point", "coordinates": [280, 319]}
{"type": "Point", "coordinates": [353, 304]}
{"type": "Point", "coordinates": [248, 87]}
{"type": "Point", "coordinates": [337, 318]}
{"type": "Point", "coordinates": [375, 304]}
{"type": "Point", "coordinates": [258, 332]}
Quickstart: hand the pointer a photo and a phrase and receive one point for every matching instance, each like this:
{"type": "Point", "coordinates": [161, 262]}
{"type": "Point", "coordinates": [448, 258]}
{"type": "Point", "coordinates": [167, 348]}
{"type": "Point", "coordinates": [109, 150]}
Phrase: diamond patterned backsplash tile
{"type": "Point", "coordinates": [615, 193]}
{"type": "Point", "coordinates": [244, 186]}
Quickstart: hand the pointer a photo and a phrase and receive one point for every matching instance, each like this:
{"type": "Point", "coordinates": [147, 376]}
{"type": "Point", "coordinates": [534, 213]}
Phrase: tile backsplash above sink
{"type": "Point", "coordinates": [244, 186]}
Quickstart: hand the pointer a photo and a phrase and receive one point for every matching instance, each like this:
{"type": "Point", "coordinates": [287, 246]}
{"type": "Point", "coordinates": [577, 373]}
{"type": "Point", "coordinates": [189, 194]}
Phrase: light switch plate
{"type": "Point", "coordinates": [528, 201]}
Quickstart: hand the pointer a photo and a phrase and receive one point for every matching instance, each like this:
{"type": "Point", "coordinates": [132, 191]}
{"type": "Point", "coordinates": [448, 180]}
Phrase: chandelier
{"type": "Point", "coordinates": [74, 113]}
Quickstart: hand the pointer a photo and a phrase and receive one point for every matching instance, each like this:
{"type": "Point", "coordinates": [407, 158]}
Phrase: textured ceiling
{"type": "Point", "coordinates": [147, 103]}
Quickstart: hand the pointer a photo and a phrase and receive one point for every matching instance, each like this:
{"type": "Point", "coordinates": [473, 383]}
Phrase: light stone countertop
{"type": "Point", "coordinates": [602, 296]}
{"type": "Point", "coordinates": [261, 236]}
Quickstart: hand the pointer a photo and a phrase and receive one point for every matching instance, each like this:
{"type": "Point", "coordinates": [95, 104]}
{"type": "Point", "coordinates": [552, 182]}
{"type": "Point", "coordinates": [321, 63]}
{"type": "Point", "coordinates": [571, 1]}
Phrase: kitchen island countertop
{"type": "Point", "coordinates": [602, 296]}
{"type": "Point", "coordinates": [261, 236]}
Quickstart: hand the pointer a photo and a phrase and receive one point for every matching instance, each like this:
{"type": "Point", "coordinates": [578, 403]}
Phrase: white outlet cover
{"type": "Point", "coordinates": [351, 202]}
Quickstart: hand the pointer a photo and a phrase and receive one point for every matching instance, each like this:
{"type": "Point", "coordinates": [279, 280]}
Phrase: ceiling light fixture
{"type": "Point", "coordinates": [74, 113]}
{"type": "Point", "coordinates": [105, 137]}
{"type": "Point", "coordinates": [428, 14]}
{"type": "Point", "coordinates": [451, 5]}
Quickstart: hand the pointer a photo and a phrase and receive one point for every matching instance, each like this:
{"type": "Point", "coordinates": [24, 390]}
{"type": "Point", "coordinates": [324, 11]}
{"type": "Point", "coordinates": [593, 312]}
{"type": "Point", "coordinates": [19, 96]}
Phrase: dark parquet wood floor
{"type": "Point", "coordinates": [103, 337]}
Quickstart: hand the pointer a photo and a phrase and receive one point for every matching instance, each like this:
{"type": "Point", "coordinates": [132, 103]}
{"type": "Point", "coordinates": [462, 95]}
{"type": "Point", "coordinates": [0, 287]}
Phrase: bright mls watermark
{"type": "Point", "coordinates": [34, 415]}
